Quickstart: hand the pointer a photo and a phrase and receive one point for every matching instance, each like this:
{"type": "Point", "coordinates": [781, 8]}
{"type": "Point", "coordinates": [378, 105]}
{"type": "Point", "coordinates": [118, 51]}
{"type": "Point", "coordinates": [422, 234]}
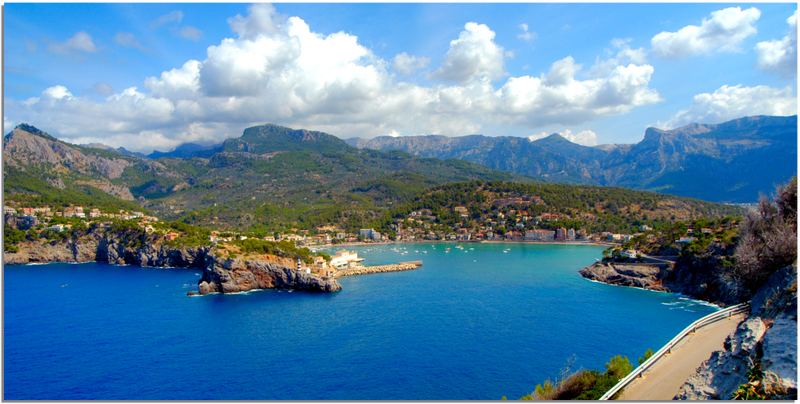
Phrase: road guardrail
{"type": "Point", "coordinates": [666, 349]}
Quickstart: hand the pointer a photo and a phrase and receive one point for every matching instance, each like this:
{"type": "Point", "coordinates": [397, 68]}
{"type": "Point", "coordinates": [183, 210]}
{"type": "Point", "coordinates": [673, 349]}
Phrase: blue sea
{"type": "Point", "coordinates": [476, 322]}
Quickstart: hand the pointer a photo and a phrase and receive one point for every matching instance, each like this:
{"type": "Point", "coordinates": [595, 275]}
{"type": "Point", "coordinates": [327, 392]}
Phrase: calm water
{"type": "Point", "coordinates": [476, 323]}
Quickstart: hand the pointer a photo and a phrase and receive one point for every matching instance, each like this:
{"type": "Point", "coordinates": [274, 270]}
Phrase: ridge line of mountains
{"type": "Point", "coordinates": [277, 176]}
{"type": "Point", "coordinates": [732, 161]}
{"type": "Point", "coordinates": [716, 162]}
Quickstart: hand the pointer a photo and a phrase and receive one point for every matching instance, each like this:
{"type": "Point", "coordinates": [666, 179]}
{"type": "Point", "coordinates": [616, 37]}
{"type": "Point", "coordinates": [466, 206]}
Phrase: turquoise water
{"type": "Point", "coordinates": [477, 323]}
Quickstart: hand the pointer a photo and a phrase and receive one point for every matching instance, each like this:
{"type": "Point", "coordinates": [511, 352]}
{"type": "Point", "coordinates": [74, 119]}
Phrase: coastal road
{"type": "Point", "coordinates": [665, 377]}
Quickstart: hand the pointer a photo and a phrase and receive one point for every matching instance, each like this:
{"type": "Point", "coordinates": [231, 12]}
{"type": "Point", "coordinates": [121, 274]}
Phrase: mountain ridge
{"type": "Point", "coordinates": [663, 161]}
{"type": "Point", "coordinates": [271, 175]}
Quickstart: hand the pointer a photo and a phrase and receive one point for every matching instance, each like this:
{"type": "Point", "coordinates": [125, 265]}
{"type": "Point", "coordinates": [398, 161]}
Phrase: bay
{"type": "Point", "coordinates": [476, 322]}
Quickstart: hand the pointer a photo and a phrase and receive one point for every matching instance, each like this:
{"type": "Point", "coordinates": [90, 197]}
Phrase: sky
{"type": "Point", "coordinates": [152, 76]}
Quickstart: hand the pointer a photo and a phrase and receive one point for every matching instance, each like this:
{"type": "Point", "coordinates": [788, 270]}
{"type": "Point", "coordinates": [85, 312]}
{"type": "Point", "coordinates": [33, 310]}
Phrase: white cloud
{"type": "Point", "coordinates": [620, 54]}
{"type": "Point", "coordinates": [559, 96]}
{"type": "Point", "coordinates": [278, 70]}
{"type": "Point", "coordinates": [474, 55]}
{"type": "Point", "coordinates": [80, 42]}
{"type": "Point", "coordinates": [722, 32]}
{"type": "Point", "coordinates": [406, 64]}
{"type": "Point", "coordinates": [190, 33]}
{"type": "Point", "coordinates": [262, 19]}
{"type": "Point", "coordinates": [128, 40]}
{"type": "Point", "coordinates": [57, 93]}
{"type": "Point", "coordinates": [174, 17]}
{"type": "Point", "coordinates": [780, 55]}
{"type": "Point", "coordinates": [586, 137]}
{"type": "Point", "coordinates": [525, 34]}
{"type": "Point", "coordinates": [730, 102]}
{"type": "Point", "coordinates": [176, 84]}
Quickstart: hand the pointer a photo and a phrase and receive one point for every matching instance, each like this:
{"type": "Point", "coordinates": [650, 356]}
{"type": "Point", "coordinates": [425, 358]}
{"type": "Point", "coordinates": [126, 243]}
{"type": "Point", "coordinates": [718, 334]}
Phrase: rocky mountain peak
{"type": "Point", "coordinates": [551, 138]}
{"type": "Point", "coordinates": [33, 130]}
{"type": "Point", "coordinates": [271, 137]}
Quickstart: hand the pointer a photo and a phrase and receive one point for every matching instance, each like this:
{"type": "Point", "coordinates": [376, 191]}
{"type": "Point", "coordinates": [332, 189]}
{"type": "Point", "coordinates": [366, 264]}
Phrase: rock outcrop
{"type": "Point", "coordinates": [48, 252]}
{"type": "Point", "coordinates": [701, 278]}
{"type": "Point", "coordinates": [780, 350]}
{"type": "Point", "coordinates": [231, 275]}
{"type": "Point", "coordinates": [102, 246]}
{"type": "Point", "coordinates": [719, 376]}
{"type": "Point", "coordinates": [768, 337]}
{"type": "Point", "coordinates": [622, 274]}
{"type": "Point", "coordinates": [220, 275]}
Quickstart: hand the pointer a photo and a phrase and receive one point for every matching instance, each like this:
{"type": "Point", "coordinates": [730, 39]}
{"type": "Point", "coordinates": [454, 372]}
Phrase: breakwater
{"type": "Point", "coordinates": [375, 269]}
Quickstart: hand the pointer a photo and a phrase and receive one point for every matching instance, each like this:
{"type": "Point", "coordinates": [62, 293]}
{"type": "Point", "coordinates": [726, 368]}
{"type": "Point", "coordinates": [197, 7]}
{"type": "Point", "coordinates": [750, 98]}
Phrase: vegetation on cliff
{"type": "Point", "coordinates": [768, 239]}
{"type": "Point", "coordinates": [584, 384]}
{"type": "Point", "coordinates": [761, 387]}
{"type": "Point", "coordinates": [38, 187]}
{"type": "Point", "coordinates": [721, 260]}
{"type": "Point", "coordinates": [284, 248]}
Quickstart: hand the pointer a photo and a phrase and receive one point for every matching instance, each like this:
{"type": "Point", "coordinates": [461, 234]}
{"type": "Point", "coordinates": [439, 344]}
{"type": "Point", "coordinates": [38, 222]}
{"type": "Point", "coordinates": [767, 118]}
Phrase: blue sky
{"type": "Point", "coordinates": [70, 68]}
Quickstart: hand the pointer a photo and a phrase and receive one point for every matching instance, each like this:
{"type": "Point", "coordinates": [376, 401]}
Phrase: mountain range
{"type": "Point", "coordinates": [270, 176]}
{"type": "Point", "coordinates": [729, 162]}
{"type": "Point", "coordinates": [274, 178]}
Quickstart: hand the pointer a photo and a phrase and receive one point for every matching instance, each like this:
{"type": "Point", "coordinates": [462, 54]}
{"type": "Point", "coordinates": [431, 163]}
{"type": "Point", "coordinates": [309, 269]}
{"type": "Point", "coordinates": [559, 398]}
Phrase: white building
{"type": "Point", "coordinates": [343, 259]}
{"type": "Point", "coordinates": [369, 234]}
{"type": "Point", "coordinates": [632, 254]}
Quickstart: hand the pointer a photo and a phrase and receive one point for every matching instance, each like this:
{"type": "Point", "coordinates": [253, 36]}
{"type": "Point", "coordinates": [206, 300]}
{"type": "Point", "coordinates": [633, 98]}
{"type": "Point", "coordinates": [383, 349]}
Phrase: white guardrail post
{"type": "Point", "coordinates": [666, 349]}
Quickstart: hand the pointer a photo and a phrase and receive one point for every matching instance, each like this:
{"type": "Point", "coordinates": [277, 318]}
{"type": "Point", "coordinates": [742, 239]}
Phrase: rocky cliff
{"type": "Point", "coordinates": [220, 275]}
{"type": "Point", "coordinates": [767, 339]}
{"type": "Point", "coordinates": [623, 274]}
{"type": "Point", "coordinates": [104, 246]}
{"type": "Point", "coordinates": [231, 275]}
{"type": "Point", "coordinates": [700, 280]}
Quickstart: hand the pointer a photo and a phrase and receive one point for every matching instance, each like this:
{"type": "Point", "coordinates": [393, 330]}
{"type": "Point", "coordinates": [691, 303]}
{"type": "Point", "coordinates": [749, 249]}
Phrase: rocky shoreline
{"type": "Point", "coordinates": [219, 275]}
{"type": "Point", "coordinates": [233, 275]}
{"type": "Point", "coordinates": [768, 336]}
{"type": "Point", "coordinates": [623, 274]}
{"type": "Point", "coordinates": [696, 280]}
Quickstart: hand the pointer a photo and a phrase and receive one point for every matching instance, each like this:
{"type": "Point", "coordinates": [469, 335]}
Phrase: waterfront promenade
{"type": "Point", "coordinates": [665, 377]}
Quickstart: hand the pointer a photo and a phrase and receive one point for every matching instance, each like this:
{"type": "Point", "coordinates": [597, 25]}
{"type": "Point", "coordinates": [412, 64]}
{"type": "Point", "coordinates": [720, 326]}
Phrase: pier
{"type": "Point", "coordinates": [376, 269]}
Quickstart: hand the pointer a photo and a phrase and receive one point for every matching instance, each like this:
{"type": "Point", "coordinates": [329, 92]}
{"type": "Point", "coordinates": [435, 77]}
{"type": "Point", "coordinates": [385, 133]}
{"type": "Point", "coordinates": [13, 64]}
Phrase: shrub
{"type": "Point", "coordinates": [579, 385]}
{"type": "Point", "coordinates": [12, 237]}
{"type": "Point", "coordinates": [768, 239]}
{"type": "Point", "coordinates": [619, 366]}
{"type": "Point", "coordinates": [584, 384]}
{"type": "Point", "coordinates": [544, 391]}
{"type": "Point", "coordinates": [647, 354]}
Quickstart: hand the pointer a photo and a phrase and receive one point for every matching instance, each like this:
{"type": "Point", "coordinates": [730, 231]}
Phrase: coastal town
{"type": "Point", "coordinates": [419, 225]}
{"type": "Point", "coordinates": [458, 224]}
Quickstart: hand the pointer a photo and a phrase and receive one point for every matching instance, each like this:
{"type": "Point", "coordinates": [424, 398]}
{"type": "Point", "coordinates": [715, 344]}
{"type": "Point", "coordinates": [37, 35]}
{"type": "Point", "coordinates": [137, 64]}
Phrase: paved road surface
{"type": "Point", "coordinates": [662, 380]}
